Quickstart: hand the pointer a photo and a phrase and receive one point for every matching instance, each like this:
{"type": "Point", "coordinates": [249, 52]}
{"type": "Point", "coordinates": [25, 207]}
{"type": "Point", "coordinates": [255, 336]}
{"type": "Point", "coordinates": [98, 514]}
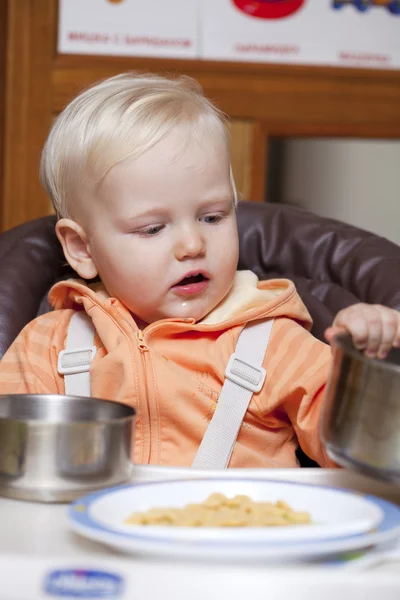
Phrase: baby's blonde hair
{"type": "Point", "coordinates": [121, 117]}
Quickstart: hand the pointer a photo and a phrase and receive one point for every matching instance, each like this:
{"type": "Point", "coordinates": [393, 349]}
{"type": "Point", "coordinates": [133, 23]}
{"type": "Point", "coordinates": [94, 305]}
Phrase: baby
{"type": "Point", "coordinates": [139, 172]}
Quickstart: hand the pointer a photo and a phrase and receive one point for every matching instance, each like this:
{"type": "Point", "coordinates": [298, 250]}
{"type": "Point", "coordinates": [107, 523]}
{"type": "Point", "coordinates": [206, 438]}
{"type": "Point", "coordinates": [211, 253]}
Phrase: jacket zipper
{"type": "Point", "coordinates": [141, 343]}
{"type": "Point", "coordinates": [143, 348]}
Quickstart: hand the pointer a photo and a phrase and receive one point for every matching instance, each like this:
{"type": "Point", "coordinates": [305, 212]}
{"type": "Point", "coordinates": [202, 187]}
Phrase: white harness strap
{"type": "Point", "coordinates": [244, 376]}
{"type": "Point", "coordinates": [74, 362]}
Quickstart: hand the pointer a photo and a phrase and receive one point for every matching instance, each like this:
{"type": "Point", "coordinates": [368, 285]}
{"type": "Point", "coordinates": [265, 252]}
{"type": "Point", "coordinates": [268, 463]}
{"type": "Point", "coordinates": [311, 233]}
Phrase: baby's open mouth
{"type": "Point", "coordinates": [192, 279]}
{"type": "Point", "coordinates": [192, 284]}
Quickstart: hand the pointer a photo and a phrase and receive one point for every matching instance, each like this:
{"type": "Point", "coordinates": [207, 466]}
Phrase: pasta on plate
{"type": "Point", "coordinates": [219, 511]}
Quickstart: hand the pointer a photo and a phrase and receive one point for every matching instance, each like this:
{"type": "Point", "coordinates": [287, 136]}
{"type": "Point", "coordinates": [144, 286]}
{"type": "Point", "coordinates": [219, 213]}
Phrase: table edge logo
{"type": "Point", "coordinates": [81, 583]}
{"type": "Point", "coordinates": [269, 9]}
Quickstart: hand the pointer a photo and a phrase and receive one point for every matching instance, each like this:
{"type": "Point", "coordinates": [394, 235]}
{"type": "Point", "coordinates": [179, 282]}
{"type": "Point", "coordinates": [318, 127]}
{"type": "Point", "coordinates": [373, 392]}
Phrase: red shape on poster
{"type": "Point", "coordinates": [269, 9]}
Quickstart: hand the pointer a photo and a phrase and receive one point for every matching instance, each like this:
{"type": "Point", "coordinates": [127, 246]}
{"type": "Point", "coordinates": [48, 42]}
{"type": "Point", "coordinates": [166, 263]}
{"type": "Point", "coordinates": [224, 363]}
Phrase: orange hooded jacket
{"type": "Point", "coordinates": [172, 371]}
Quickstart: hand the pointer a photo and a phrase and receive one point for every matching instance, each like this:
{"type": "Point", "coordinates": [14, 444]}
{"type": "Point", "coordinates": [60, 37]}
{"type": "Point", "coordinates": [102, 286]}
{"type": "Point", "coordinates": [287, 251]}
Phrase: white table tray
{"type": "Point", "coordinates": [35, 541]}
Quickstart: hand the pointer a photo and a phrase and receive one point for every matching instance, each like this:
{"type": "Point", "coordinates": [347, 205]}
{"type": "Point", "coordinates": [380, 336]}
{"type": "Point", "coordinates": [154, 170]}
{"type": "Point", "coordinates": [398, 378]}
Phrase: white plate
{"type": "Point", "coordinates": [334, 513]}
{"type": "Point", "coordinates": [342, 521]}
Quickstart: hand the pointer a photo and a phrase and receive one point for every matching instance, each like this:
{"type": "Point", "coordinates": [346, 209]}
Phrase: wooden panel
{"type": "Point", "coordinates": [260, 157]}
{"type": "Point", "coordinates": [278, 94]}
{"type": "Point", "coordinates": [261, 99]}
{"type": "Point", "coordinates": [30, 50]}
{"type": "Point", "coordinates": [242, 156]}
{"type": "Point", "coordinates": [3, 42]}
{"type": "Point", "coordinates": [249, 146]}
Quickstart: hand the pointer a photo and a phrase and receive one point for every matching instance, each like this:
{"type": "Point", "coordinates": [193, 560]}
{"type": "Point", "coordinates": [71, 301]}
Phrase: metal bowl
{"type": "Point", "coordinates": [360, 424]}
{"type": "Point", "coordinates": [56, 448]}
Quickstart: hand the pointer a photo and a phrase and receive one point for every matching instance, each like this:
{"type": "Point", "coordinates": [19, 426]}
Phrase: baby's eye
{"type": "Point", "coordinates": [150, 231]}
{"type": "Point", "coordinates": [212, 219]}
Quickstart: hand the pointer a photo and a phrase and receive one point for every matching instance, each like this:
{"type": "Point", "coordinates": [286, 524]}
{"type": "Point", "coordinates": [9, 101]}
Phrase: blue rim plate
{"type": "Point", "coordinates": [99, 516]}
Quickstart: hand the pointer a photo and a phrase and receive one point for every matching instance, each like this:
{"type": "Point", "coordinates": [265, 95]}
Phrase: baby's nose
{"type": "Point", "coordinates": [190, 243]}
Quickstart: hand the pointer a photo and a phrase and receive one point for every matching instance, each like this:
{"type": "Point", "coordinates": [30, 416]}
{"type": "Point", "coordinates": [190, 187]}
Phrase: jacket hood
{"type": "Point", "coordinates": [249, 299]}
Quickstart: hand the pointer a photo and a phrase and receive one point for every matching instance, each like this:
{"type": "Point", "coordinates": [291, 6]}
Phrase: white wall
{"type": "Point", "coordinates": [355, 181]}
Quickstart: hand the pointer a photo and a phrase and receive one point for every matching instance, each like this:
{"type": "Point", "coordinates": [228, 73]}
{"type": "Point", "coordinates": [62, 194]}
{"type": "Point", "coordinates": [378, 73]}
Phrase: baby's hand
{"type": "Point", "coordinates": [373, 328]}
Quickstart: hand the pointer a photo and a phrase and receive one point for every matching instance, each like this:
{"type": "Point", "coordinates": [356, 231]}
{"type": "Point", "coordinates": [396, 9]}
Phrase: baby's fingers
{"type": "Point", "coordinates": [331, 332]}
{"type": "Point", "coordinates": [390, 331]}
{"type": "Point", "coordinates": [373, 328]}
{"type": "Point", "coordinates": [354, 321]}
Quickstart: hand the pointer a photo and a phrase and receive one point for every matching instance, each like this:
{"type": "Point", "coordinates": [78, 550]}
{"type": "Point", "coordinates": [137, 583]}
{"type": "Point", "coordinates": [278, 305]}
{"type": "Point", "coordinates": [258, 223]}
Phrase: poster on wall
{"type": "Point", "coordinates": [129, 27]}
{"type": "Point", "coordinates": [347, 33]}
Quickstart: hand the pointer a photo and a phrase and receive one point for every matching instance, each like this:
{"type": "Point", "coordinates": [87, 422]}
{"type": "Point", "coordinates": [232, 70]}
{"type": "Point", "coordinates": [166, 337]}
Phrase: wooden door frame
{"type": "Point", "coordinates": [3, 54]}
{"type": "Point", "coordinates": [28, 106]}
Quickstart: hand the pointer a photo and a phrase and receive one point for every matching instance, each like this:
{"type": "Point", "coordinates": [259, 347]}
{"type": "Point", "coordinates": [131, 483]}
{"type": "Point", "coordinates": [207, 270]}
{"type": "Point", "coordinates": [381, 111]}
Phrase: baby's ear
{"type": "Point", "coordinates": [76, 248]}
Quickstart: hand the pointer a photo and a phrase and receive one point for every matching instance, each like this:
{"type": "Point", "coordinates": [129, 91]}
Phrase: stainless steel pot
{"type": "Point", "coordinates": [360, 425]}
{"type": "Point", "coordinates": [56, 448]}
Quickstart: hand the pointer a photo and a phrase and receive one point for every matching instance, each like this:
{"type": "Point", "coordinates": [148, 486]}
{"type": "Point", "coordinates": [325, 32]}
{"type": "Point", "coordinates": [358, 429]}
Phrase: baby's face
{"type": "Point", "coordinates": [163, 230]}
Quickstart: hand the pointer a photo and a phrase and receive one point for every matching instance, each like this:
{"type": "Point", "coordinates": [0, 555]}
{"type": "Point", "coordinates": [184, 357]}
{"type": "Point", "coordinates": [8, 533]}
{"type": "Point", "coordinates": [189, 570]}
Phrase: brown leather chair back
{"type": "Point", "coordinates": [332, 264]}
